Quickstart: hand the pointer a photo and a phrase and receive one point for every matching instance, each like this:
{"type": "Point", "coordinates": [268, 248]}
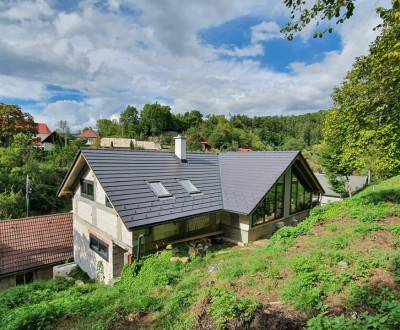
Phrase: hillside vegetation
{"type": "Point", "coordinates": [338, 269]}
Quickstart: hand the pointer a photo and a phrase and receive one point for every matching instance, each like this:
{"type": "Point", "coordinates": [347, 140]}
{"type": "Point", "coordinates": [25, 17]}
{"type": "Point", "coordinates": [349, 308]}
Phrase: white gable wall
{"type": "Point", "coordinates": [94, 217]}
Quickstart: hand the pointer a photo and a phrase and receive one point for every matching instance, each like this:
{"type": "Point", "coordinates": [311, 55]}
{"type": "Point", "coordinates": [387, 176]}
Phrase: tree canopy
{"type": "Point", "coordinates": [363, 130]}
{"type": "Point", "coordinates": [14, 121]}
{"type": "Point", "coordinates": [304, 13]}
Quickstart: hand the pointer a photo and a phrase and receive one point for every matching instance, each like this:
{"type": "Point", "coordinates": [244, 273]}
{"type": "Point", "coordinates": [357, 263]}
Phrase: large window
{"type": "Point", "coordinates": [87, 189]}
{"type": "Point", "coordinates": [98, 246]}
{"type": "Point", "coordinates": [271, 207]}
{"type": "Point", "coordinates": [300, 196]}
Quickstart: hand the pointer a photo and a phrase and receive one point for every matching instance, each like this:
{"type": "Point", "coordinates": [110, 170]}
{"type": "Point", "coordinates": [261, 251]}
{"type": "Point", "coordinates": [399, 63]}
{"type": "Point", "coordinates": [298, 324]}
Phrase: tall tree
{"type": "Point", "coordinates": [108, 128]}
{"type": "Point", "coordinates": [156, 118]}
{"type": "Point", "coordinates": [14, 121]}
{"type": "Point", "coordinates": [129, 121]}
{"type": "Point", "coordinates": [363, 131]}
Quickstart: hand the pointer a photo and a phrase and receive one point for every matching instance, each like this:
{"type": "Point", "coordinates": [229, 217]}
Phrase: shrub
{"type": "Point", "coordinates": [225, 305]}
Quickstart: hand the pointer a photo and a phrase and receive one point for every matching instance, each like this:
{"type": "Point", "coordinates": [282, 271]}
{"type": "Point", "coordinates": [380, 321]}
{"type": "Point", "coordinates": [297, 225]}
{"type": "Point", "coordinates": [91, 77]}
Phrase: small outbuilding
{"type": "Point", "coordinates": [30, 247]}
{"type": "Point", "coordinates": [353, 184]}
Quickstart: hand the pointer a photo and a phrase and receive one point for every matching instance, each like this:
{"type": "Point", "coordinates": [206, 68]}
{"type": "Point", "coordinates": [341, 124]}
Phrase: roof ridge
{"type": "Point", "coordinates": [36, 217]}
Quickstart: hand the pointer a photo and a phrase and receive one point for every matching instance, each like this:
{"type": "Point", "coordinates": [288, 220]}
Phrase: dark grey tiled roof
{"type": "Point", "coordinates": [247, 176]}
{"type": "Point", "coordinates": [124, 175]}
{"type": "Point", "coordinates": [228, 181]}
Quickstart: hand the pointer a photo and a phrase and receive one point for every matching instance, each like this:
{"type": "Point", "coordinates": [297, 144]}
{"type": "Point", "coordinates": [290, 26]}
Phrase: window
{"type": "Point", "coordinates": [300, 196]}
{"type": "Point", "coordinates": [24, 278]}
{"type": "Point", "coordinates": [271, 207]}
{"type": "Point", "coordinates": [159, 189]}
{"type": "Point", "coordinates": [87, 189]}
{"type": "Point", "coordinates": [98, 246]}
{"type": "Point", "coordinates": [189, 186]}
{"type": "Point", "coordinates": [107, 202]}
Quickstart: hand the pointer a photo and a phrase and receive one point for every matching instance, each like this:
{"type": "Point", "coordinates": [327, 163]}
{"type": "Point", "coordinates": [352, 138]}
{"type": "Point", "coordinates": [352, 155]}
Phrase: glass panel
{"type": "Point", "coordinates": [258, 215]}
{"type": "Point", "coordinates": [270, 209]}
{"type": "Point", "coordinates": [189, 186]}
{"type": "Point", "coordinates": [90, 190]}
{"type": "Point", "coordinates": [99, 247]}
{"type": "Point", "coordinates": [279, 200]}
{"type": "Point", "coordinates": [293, 195]}
{"type": "Point", "coordinates": [159, 189]}
{"type": "Point", "coordinates": [83, 188]}
{"type": "Point", "coordinates": [108, 203]}
{"type": "Point", "coordinates": [300, 196]}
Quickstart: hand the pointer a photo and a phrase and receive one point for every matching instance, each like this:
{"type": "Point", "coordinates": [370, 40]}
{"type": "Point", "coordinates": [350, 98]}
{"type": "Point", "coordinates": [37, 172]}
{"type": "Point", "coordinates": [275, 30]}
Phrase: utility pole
{"type": "Point", "coordinates": [27, 193]}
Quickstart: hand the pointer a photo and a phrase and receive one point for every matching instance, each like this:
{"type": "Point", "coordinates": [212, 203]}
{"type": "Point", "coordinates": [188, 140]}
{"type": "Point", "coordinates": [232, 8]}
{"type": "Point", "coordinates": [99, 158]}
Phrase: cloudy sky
{"type": "Point", "coordinates": [82, 60]}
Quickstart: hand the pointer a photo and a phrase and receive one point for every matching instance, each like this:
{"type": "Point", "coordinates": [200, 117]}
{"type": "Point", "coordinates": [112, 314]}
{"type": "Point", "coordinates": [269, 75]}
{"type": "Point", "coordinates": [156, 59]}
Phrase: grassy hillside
{"type": "Point", "coordinates": [338, 269]}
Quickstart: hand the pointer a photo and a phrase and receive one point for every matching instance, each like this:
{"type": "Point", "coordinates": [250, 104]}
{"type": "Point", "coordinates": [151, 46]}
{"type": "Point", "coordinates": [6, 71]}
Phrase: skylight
{"type": "Point", "coordinates": [189, 186]}
{"type": "Point", "coordinates": [159, 189]}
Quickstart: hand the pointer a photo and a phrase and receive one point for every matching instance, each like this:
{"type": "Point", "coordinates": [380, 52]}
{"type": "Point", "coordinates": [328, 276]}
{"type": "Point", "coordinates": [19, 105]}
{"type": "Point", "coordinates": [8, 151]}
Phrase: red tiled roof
{"type": "Point", "coordinates": [42, 128]}
{"type": "Point", "coordinates": [244, 150]}
{"type": "Point", "coordinates": [87, 134]}
{"type": "Point", "coordinates": [36, 241]}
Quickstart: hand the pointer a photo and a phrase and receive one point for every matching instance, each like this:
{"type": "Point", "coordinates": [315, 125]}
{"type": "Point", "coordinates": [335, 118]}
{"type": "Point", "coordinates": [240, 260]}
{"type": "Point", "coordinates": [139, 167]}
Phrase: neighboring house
{"type": "Point", "coordinates": [125, 200]}
{"type": "Point", "coordinates": [89, 135]}
{"type": "Point", "coordinates": [245, 150]}
{"type": "Point", "coordinates": [353, 184]}
{"type": "Point", "coordinates": [30, 247]}
{"type": "Point", "coordinates": [46, 139]}
{"type": "Point", "coordinates": [129, 143]}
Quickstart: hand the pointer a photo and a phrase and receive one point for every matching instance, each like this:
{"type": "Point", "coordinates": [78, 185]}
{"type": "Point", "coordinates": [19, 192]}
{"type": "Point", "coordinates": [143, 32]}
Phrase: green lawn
{"type": "Point", "coordinates": [338, 269]}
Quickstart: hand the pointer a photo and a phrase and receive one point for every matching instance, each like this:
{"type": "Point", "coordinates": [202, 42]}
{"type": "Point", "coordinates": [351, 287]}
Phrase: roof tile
{"type": "Point", "coordinates": [36, 241]}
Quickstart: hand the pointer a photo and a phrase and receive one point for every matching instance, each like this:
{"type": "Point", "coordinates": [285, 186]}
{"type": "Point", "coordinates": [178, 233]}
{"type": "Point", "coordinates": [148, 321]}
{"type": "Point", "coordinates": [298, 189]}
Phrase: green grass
{"type": "Point", "coordinates": [301, 266]}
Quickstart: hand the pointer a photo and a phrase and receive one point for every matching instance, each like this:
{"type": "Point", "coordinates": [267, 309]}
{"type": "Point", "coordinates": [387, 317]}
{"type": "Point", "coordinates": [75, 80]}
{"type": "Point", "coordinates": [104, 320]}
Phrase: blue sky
{"type": "Point", "coordinates": [226, 56]}
{"type": "Point", "coordinates": [279, 53]}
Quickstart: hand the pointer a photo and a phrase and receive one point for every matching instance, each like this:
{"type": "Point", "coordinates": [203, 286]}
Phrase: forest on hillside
{"type": "Point", "coordinates": [158, 122]}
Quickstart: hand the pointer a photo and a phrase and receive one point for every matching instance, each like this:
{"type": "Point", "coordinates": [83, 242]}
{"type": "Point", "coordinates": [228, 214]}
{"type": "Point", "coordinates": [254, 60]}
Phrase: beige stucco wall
{"type": "Point", "coordinates": [7, 282]}
{"type": "Point", "coordinates": [94, 217]}
{"type": "Point", "coordinates": [99, 215]}
{"type": "Point", "coordinates": [86, 258]}
{"type": "Point", "coordinates": [43, 273]}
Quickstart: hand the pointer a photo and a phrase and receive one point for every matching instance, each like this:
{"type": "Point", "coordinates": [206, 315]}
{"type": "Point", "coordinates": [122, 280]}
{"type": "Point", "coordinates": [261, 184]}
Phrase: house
{"type": "Point", "coordinates": [245, 150]}
{"type": "Point", "coordinates": [205, 145]}
{"type": "Point", "coordinates": [128, 202]}
{"type": "Point", "coordinates": [353, 184]}
{"type": "Point", "coordinates": [30, 247]}
{"type": "Point", "coordinates": [45, 138]}
{"type": "Point", "coordinates": [89, 135]}
{"type": "Point", "coordinates": [129, 143]}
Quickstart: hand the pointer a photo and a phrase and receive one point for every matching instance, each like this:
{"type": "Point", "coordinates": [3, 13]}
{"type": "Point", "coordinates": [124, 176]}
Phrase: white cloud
{"type": "Point", "coordinates": [251, 51]}
{"type": "Point", "coordinates": [265, 31]}
{"type": "Point", "coordinates": [118, 59]}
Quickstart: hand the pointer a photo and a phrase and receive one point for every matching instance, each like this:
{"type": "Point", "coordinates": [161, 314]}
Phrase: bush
{"type": "Point", "coordinates": [225, 305]}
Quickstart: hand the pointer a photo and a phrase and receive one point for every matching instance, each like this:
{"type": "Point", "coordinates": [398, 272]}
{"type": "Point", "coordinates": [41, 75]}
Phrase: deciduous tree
{"type": "Point", "coordinates": [13, 121]}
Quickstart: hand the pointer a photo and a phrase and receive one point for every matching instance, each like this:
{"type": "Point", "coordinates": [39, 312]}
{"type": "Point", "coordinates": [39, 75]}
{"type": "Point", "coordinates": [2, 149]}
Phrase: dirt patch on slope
{"type": "Point", "coordinates": [381, 278]}
{"type": "Point", "coordinates": [382, 240]}
{"type": "Point", "coordinates": [390, 221]}
{"type": "Point", "coordinates": [134, 321]}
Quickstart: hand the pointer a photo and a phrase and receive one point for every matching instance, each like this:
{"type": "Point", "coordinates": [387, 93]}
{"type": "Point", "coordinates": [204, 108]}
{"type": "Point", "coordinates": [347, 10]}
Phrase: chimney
{"type": "Point", "coordinates": [180, 148]}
